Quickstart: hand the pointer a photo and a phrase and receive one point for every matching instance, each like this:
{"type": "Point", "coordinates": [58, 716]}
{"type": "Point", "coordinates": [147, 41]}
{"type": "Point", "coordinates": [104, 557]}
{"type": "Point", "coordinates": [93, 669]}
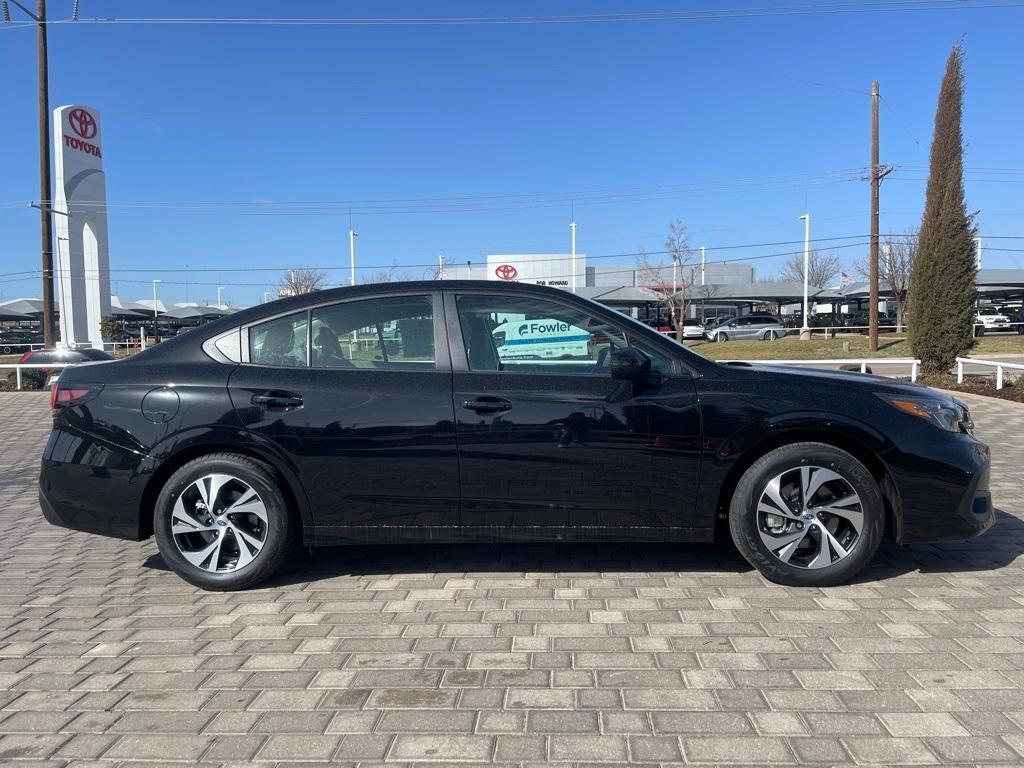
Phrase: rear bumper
{"type": "Point", "coordinates": [97, 491]}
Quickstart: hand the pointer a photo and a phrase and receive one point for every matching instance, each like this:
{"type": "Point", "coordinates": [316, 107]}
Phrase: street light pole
{"type": "Point", "coordinates": [703, 263]}
{"type": "Point", "coordinates": [572, 231]}
{"type": "Point", "coordinates": [156, 336]}
{"type": "Point", "coordinates": [219, 289]}
{"type": "Point", "coordinates": [352, 235]}
{"type": "Point", "coordinates": [805, 331]}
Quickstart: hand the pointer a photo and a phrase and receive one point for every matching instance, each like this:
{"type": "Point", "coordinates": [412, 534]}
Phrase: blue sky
{"type": "Point", "coordinates": [513, 120]}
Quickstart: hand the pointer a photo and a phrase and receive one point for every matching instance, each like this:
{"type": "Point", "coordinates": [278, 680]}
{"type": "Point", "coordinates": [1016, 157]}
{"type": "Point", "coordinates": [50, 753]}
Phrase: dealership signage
{"type": "Point", "coordinates": [83, 264]}
{"type": "Point", "coordinates": [552, 269]}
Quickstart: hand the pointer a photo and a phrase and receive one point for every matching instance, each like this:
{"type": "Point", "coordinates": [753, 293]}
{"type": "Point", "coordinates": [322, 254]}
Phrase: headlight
{"type": "Point", "coordinates": [950, 416]}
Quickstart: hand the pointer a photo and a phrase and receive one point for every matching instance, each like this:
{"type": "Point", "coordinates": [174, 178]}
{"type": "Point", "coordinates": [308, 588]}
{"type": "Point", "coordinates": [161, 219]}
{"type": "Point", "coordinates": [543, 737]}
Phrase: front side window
{"type": "Point", "coordinates": [279, 342]}
{"type": "Point", "coordinates": [394, 333]}
{"type": "Point", "coordinates": [517, 333]}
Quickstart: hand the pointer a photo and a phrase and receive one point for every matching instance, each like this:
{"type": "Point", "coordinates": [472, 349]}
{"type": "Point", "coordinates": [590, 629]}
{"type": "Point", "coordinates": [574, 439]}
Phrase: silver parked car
{"type": "Point", "coordinates": [765, 327]}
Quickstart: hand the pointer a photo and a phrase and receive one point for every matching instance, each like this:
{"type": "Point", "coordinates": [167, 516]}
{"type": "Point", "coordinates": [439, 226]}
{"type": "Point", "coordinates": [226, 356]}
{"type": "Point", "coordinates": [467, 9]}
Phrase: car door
{"type": "Point", "coordinates": [741, 329]}
{"type": "Point", "coordinates": [549, 443]}
{"type": "Point", "coordinates": [357, 396]}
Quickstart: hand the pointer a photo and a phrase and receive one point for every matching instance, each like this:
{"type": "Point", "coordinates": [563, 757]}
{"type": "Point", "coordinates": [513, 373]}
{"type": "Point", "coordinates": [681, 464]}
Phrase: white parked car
{"type": "Point", "coordinates": [992, 319]}
{"type": "Point", "coordinates": [693, 329]}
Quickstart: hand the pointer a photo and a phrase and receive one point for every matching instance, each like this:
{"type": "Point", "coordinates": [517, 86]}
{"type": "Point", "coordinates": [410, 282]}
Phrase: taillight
{"type": "Point", "coordinates": [62, 397]}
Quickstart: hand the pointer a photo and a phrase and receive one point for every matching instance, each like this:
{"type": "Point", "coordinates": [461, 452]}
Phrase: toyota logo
{"type": "Point", "coordinates": [507, 272]}
{"type": "Point", "coordinates": [82, 123]}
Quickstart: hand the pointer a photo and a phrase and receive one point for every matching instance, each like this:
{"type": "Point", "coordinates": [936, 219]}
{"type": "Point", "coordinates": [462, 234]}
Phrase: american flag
{"type": "Point", "coordinates": [845, 280]}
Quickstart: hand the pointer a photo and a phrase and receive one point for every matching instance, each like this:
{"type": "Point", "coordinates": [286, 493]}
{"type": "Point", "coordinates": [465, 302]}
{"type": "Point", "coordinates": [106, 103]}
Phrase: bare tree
{"type": "Point", "coordinates": [389, 275]}
{"type": "Point", "coordinates": [895, 261]}
{"type": "Point", "coordinates": [301, 280]}
{"type": "Point", "coordinates": [672, 282]}
{"type": "Point", "coordinates": [822, 268]}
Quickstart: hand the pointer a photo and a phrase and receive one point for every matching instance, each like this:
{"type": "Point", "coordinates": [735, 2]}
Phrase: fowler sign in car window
{"type": "Point", "coordinates": [516, 333]}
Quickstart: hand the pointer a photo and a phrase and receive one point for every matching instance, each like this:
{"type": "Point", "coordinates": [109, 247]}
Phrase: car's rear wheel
{"type": "Point", "coordinates": [721, 336]}
{"type": "Point", "coordinates": [222, 522]}
{"type": "Point", "coordinates": [771, 336]}
{"type": "Point", "coordinates": [807, 514]}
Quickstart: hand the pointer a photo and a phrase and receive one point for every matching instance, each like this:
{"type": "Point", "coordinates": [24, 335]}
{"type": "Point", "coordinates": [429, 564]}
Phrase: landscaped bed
{"type": "Point", "coordinates": [977, 385]}
{"type": "Point", "coordinates": [792, 348]}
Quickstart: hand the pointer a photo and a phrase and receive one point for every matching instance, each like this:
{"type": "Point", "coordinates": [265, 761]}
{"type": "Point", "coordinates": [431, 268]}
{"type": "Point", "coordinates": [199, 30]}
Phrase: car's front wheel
{"type": "Point", "coordinates": [771, 336]}
{"type": "Point", "coordinates": [721, 336]}
{"type": "Point", "coordinates": [807, 514]}
{"type": "Point", "coordinates": [222, 522]}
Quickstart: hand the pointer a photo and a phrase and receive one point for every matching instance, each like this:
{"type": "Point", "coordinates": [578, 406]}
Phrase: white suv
{"type": "Point", "coordinates": [992, 319]}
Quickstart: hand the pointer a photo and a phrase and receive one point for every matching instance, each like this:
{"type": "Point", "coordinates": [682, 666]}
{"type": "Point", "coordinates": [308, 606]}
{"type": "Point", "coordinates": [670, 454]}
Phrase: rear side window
{"type": "Point", "coordinates": [279, 342]}
{"type": "Point", "coordinates": [394, 333]}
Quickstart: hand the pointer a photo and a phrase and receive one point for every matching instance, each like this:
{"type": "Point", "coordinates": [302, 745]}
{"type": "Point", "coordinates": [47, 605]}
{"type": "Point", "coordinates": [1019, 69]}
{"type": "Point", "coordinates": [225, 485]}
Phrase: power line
{"type": "Point", "coordinates": [430, 265]}
{"type": "Point", "coordinates": [714, 14]}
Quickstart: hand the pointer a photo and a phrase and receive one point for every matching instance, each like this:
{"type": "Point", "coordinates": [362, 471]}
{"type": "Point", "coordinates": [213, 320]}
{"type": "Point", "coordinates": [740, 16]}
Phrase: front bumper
{"type": "Point", "coordinates": [944, 495]}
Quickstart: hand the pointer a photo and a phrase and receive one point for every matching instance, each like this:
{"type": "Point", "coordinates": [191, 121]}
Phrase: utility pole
{"type": "Point", "coordinates": [45, 193]}
{"type": "Point", "coordinates": [878, 172]}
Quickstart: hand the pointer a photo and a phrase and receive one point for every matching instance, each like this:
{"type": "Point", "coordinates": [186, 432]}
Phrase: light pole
{"type": "Point", "coordinates": [266, 296]}
{"type": "Point", "coordinates": [156, 337]}
{"type": "Point", "coordinates": [805, 331]}
{"type": "Point", "coordinates": [64, 319]}
{"type": "Point", "coordinates": [219, 289]}
{"type": "Point", "coordinates": [572, 230]}
{"type": "Point", "coordinates": [703, 263]}
{"type": "Point", "coordinates": [352, 235]}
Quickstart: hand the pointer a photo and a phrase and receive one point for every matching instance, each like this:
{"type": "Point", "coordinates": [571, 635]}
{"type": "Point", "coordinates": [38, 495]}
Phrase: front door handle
{"type": "Point", "coordinates": [276, 400]}
{"type": "Point", "coordinates": [488, 404]}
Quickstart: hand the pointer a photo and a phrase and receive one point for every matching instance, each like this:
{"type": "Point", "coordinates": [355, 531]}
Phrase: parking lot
{"type": "Point", "coordinates": [507, 654]}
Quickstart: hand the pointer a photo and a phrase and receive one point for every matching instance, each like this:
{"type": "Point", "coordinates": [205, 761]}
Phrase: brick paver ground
{"type": "Point", "coordinates": [511, 654]}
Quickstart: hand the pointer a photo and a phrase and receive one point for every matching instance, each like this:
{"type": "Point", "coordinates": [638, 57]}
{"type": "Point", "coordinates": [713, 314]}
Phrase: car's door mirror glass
{"type": "Point", "coordinates": [629, 364]}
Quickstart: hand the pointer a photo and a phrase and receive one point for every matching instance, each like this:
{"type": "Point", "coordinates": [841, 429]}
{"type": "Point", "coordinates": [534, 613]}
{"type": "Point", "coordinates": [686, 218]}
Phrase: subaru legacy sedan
{"type": "Point", "coordinates": [408, 412]}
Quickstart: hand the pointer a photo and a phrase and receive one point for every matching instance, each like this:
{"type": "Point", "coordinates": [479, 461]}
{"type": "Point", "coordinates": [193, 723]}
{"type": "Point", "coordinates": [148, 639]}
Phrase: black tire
{"type": "Point", "coordinates": [280, 529]}
{"type": "Point", "coordinates": [771, 336]}
{"type": "Point", "coordinates": [743, 515]}
{"type": "Point", "coordinates": [721, 336]}
{"type": "Point", "coordinates": [979, 330]}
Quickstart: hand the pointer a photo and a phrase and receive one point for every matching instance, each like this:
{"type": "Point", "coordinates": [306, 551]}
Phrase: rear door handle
{"type": "Point", "coordinates": [278, 401]}
{"type": "Point", "coordinates": [488, 404]}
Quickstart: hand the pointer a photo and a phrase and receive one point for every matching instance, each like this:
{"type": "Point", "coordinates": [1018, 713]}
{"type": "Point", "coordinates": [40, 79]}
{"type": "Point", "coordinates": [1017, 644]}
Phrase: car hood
{"type": "Point", "coordinates": [842, 378]}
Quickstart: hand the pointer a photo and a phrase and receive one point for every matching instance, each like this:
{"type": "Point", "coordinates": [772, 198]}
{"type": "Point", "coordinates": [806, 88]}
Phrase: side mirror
{"type": "Point", "coordinates": [629, 364]}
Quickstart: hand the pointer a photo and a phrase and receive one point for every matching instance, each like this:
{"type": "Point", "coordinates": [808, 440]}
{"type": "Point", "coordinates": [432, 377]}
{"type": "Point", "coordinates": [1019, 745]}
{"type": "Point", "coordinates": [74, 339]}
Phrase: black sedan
{"type": "Point", "coordinates": [485, 411]}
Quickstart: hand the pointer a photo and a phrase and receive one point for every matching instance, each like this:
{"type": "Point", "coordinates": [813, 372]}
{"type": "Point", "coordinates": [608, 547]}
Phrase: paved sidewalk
{"type": "Point", "coordinates": [510, 654]}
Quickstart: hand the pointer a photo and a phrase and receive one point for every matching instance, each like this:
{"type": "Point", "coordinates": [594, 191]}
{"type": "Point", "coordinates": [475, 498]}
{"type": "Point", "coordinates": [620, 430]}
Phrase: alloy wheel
{"type": "Point", "coordinates": [810, 517]}
{"type": "Point", "coordinates": [219, 523]}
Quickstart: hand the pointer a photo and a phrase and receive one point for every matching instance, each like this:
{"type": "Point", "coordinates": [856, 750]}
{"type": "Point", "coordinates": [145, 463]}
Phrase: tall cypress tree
{"type": "Point", "coordinates": [942, 289]}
